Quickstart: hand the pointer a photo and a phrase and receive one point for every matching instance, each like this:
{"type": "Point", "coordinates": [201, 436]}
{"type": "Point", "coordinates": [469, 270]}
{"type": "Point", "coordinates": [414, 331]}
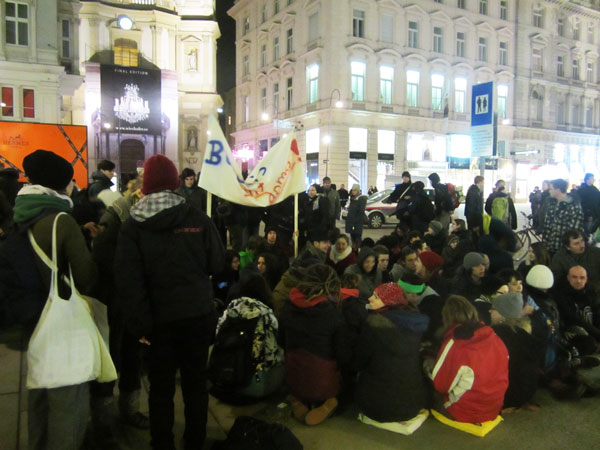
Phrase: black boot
{"type": "Point", "coordinates": [103, 423]}
{"type": "Point", "coordinates": [129, 408]}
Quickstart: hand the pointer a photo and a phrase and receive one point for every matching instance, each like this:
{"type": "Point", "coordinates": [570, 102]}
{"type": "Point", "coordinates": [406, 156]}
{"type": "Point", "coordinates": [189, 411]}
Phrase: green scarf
{"type": "Point", "coordinates": [32, 205]}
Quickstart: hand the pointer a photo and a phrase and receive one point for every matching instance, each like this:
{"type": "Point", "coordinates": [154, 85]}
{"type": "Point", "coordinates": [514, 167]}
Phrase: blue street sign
{"type": "Point", "coordinates": [482, 104]}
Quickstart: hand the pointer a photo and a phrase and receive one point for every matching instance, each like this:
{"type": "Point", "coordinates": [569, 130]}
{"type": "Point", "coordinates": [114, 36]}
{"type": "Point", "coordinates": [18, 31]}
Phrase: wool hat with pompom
{"type": "Point", "coordinates": [160, 174]}
{"type": "Point", "coordinates": [391, 294]}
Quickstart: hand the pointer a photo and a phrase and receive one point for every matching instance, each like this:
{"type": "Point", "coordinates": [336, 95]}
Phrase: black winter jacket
{"type": "Point", "coordinates": [162, 267]}
{"type": "Point", "coordinates": [390, 384]}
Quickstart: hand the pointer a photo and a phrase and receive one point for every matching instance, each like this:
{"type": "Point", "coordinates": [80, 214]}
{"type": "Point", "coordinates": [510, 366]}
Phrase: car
{"type": "Point", "coordinates": [378, 212]}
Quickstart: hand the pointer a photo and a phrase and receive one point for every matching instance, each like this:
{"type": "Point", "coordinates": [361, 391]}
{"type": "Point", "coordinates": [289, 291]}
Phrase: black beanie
{"type": "Point", "coordinates": [48, 169]}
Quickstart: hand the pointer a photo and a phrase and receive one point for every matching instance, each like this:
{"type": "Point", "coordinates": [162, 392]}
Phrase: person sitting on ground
{"type": "Point", "coordinates": [366, 242]}
{"type": "Point", "coordinates": [435, 236]}
{"type": "Point", "coordinates": [491, 287]}
{"type": "Point", "coordinates": [390, 387]}
{"type": "Point", "coordinates": [513, 279]}
{"type": "Point", "coordinates": [283, 251]}
{"type": "Point", "coordinates": [575, 252]}
{"type": "Point", "coordinates": [313, 331]}
{"type": "Point", "coordinates": [426, 300]}
{"type": "Point", "coordinates": [452, 258]}
{"type": "Point", "coordinates": [470, 375]}
{"type": "Point", "coordinates": [431, 272]}
{"type": "Point", "coordinates": [579, 307]}
{"type": "Point", "coordinates": [524, 351]}
{"type": "Point", "coordinates": [341, 256]}
{"type": "Point", "coordinates": [537, 254]}
{"type": "Point", "coordinates": [316, 247]}
{"type": "Point", "coordinates": [252, 305]}
{"type": "Point", "coordinates": [224, 280]}
{"type": "Point", "coordinates": [353, 307]}
{"type": "Point", "coordinates": [383, 259]}
{"type": "Point", "coordinates": [270, 268]}
{"type": "Point", "coordinates": [409, 262]}
{"type": "Point", "coordinates": [468, 278]}
{"type": "Point", "coordinates": [370, 275]}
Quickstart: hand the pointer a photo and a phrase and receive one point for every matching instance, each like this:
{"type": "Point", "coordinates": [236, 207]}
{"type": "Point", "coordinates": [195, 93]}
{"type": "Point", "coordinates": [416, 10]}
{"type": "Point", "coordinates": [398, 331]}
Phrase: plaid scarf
{"type": "Point", "coordinates": [152, 204]}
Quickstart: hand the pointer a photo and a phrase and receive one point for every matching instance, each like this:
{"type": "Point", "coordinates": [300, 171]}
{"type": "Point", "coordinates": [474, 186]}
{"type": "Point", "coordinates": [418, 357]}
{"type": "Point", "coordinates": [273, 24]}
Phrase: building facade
{"type": "Point", "coordinates": [141, 74]}
{"type": "Point", "coordinates": [377, 87]}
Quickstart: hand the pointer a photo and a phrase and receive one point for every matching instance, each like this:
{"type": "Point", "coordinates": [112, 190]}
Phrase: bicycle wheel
{"type": "Point", "coordinates": [523, 243]}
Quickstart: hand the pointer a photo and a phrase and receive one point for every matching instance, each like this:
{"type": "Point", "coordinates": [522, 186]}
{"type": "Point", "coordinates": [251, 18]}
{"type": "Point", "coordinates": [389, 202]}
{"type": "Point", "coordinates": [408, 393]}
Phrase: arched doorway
{"type": "Point", "coordinates": [131, 156]}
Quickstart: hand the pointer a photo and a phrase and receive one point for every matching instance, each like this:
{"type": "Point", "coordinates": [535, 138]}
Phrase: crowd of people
{"type": "Point", "coordinates": [434, 315]}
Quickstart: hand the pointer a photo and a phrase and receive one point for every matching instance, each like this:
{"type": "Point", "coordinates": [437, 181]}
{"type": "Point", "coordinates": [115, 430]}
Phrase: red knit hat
{"type": "Point", "coordinates": [391, 294]}
{"type": "Point", "coordinates": [160, 174]}
{"type": "Point", "coordinates": [431, 260]}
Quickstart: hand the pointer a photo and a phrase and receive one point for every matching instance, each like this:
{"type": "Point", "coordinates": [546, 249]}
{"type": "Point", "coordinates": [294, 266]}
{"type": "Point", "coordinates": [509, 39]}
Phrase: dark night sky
{"type": "Point", "coordinates": [225, 47]}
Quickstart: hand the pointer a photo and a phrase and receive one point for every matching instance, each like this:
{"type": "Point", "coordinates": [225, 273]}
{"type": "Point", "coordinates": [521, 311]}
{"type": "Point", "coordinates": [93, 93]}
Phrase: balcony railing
{"type": "Point", "coordinates": [167, 4]}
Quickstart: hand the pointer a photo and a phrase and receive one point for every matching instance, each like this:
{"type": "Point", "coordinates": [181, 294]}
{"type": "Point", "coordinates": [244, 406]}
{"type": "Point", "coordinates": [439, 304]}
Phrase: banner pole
{"type": "Point", "coordinates": [208, 204]}
{"type": "Point", "coordinates": [296, 225]}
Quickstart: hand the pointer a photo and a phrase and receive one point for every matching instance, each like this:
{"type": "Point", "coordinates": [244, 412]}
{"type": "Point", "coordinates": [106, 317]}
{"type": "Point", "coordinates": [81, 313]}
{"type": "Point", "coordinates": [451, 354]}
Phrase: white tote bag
{"type": "Point", "coordinates": [66, 347]}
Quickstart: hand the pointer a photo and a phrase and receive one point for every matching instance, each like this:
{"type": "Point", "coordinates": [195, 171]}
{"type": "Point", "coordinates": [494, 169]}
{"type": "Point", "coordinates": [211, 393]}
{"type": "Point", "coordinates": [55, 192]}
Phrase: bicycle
{"type": "Point", "coordinates": [525, 237]}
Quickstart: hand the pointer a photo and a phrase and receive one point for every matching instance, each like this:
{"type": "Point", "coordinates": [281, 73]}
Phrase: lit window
{"type": "Point", "coordinates": [386, 79]}
{"type": "Point", "coordinates": [313, 140]}
{"type": "Point", "coordinates": [17, 23]}
{"type": "Point", "coordinates": [460, 94]}
{"type": "Point", "coordinates": [386, 142]}
{"type": "Point", "coordinates": [358, 70]}
{"type": "Point", "coordinates": [312, 73]}
{"type": "Point", "coordinates": [28, 103]}
{"type": "Point", "coordinates": [437, 87]}
{"type": "Point", "coordinates": [125, 52]}
{"type": "Point", "coordinates": [502, 100]}
{"type": "Point", "coordinates": [8, 102]}
{"type": "Point", "coordinates": [412, 88]}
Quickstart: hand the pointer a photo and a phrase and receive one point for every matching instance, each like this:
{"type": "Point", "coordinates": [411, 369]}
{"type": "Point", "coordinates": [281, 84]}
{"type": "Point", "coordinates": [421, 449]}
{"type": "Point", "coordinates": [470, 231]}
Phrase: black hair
{"type": "Point", "coordinates": [570, 234]}
{"type": "Point", "coordinates": [253, 285]}
{"type": "Point", "coordinates": [381, 250]}
{"type": "Point", "coordinates": [490, 284]}
{"type": "Point", "coordinates": [406, 251]}
{"type": "Point", "coordinates": [105, 164]}
{"type": "Point", "coordinates": [187, 172]}
{"type": "Point", "coordinates": [507, 274]}
{"type": "Point", "coordinates": [560, 184]}
{"type": "Point", "coordinates": [367, 242]}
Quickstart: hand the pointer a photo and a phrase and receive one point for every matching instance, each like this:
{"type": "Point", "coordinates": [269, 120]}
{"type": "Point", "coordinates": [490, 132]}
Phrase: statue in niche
{"type": "Point", "coordinates": [192, 139]}
{"type": "Point", "coordinates": [192, 57]}
{"type": "Point", "coordinates": [427, 154]}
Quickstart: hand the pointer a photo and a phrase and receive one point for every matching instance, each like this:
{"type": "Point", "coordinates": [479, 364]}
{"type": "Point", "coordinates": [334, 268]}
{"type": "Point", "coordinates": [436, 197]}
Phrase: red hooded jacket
{"type": "Point", "coordinates": [472, 375]}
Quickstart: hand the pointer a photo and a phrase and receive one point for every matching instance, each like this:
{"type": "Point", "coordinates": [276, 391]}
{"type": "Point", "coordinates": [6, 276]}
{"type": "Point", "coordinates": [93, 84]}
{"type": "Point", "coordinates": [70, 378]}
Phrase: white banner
{"type": "Point", "coordinates": [280, 174]}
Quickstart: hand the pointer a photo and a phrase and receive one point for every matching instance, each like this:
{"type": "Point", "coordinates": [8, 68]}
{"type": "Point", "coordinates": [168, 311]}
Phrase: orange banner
{"type": "Point", "coordinates": [18, 139]}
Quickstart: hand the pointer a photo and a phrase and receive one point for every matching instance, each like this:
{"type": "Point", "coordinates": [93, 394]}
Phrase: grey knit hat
{"type": "Point", "coordinates": [472, 259]}
{"type": "Point", "coordinates": [436, 226]}
{"type": "Point", "coordinates": [509, 305]}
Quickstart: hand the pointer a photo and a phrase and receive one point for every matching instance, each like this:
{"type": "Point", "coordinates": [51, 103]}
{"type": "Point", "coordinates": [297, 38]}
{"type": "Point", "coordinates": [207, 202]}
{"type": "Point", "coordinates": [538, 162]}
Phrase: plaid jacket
{"type": "Point", "coordinates": [559, 218]}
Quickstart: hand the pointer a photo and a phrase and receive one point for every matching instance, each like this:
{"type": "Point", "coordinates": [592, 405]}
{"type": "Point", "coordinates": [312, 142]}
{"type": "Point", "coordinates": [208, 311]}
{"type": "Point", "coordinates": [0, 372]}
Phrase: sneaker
{"type": "Point", "coordinates": [299, 409]}
{"type": "Point", "coordinates": [318, 415]}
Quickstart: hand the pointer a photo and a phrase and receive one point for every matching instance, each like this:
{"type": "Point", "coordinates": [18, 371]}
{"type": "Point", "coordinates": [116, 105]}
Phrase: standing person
{"type": "Point", "coordinates": [590, 203]}
{"type": "Point", "coordinates": [442, 200]}
{"type": "Point", "coordinates": [343, 194]}
{"type": "Point", "coordinates": [57, 418]}
{"type": "Point", "coordinates": [535, 199]}
{"type": "Point", "coordinates": [334, 202]}
{"type": "Point", "coordinates": [500, 206]}
{"type": "Point", "coordinates": [474, 203]}
{"type": "Point", "coordinates": [316, 212]}
{"type": "Point", "coordinates": [165, 253]}
{"type": "Point", "coordinates": [402, 195]}
{"type": "Point", "coordinates": [421, 210]}
{"type": "Point", "coordinates": [102, 178]}
{"type": "Point", "coordinates": [563, 213]}
{"type": "Point", "coordinates": [541, 213]}
{"type": "Point", "coordinates": [355, 218]}
{"type": "Point", "coordinates": [190, 191]}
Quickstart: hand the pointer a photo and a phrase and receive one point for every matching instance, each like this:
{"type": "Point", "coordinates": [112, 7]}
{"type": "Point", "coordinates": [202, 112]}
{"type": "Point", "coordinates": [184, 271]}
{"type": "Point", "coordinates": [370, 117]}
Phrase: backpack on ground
{"type": "Point", "coordinates": [500, 209]}
{"type": "Point", "coordinates": [248, 433]}
{"type": "Point", "coordinates": [453, 195]}
{"type": "Point", "coordinates": [231, 364]}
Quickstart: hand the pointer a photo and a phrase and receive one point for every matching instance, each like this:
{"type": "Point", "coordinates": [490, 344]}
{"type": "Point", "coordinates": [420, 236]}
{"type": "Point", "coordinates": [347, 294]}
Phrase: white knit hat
{"type": "Point", "coordinates": [540, 277]}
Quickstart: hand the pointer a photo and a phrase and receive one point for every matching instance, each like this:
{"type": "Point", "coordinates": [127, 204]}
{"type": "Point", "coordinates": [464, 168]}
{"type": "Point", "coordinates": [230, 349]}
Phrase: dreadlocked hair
{"type": "Point", "coordinates": [318, 280]}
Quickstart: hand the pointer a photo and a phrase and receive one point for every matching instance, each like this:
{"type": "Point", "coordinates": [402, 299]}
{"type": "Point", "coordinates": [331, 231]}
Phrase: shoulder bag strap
{"type": "Point", "coordinates": [51, 263]}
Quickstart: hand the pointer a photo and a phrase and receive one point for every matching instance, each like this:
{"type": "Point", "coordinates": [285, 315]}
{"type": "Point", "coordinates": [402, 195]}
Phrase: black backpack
{"type": "Point", "coordinates": [248, 433]}
{"type": "Point", "coordinates": [231, 364]}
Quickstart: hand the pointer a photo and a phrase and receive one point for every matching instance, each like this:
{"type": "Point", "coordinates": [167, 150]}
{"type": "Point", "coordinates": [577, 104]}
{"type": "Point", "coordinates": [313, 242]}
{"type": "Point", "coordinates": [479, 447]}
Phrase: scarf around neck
{"type": "Point", "coordinates": [32, 200]}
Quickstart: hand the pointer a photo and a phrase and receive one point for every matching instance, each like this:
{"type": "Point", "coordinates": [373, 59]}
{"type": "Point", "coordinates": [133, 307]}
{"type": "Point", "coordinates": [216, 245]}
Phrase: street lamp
{"type": "Point", "coordinates": [327, 139]}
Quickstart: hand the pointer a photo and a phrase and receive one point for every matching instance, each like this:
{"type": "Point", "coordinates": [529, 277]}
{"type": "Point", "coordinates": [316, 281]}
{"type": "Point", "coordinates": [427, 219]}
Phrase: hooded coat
{"type": "Point", "coordinates": [163, 261]}
{"type": "Point", "coordinates": [368, 281]}
{"type": "Point", "coordinates": [100, 183]}
{"type": "Point", "coordinates": [390, 384]}
{"type": "Point", "coordinates": [471, 373]}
